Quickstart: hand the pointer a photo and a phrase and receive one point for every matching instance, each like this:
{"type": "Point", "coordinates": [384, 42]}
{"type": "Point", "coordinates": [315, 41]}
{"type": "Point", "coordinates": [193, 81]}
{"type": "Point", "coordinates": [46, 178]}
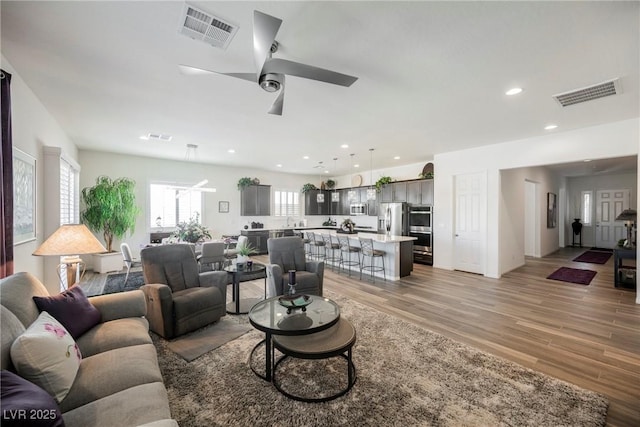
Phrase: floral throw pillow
{"type": "Point", "coordinates": [47, 355]}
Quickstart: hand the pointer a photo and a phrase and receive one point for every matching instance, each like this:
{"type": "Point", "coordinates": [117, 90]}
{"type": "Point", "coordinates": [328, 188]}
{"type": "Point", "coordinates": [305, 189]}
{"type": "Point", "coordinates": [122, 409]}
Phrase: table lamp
{"type": "Point", "coordinates": [69, 241]}
{"type": "Point", "coordinates": [629, 216]}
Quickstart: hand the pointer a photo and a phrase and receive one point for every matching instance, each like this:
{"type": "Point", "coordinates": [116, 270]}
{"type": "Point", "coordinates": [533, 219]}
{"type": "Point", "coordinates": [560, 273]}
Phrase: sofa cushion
{"type": "Point", "coordinates": [16, 294]}
{"type": "Point", "coordinates": [112, 371]}
{"type": "Point", "coordinates": [23, 403]}
{"type": "Point", "coordinates": [47, 355]}
{"type": "Point", "coordinates": [72, 309]}
{"type": "Point", "coordinates": [130, 407]}
{"type": "Point", "coordinates": [114, 334]}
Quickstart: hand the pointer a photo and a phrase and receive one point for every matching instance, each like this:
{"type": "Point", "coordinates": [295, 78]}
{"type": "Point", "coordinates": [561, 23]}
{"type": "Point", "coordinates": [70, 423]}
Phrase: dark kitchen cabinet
{"type": "Point", "coordinates": [255, 200]}
{"type": "Point", "coordinates": [372, 205]}
{"type": "Point", "coordinates": [420, 192]}
{"type": "Point", "coordinates": [394, 192]}
{"type": "Point", "coordinates": [345, 203]}
{"type": "Point", "coordinates": [316, 202]}
{"type": "Point", "coordinates": [258, 240]}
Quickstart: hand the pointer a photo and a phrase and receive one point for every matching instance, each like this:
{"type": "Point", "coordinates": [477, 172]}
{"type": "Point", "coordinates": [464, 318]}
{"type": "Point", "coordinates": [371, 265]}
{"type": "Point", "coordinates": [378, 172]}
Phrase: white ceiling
{"type": "Point", "coordinates": [432, 76]}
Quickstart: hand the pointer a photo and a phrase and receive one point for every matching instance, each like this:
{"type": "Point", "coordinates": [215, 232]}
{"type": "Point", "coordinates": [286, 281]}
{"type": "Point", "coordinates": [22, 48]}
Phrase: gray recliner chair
{"type": "Point", "coordinates": [287, 253]}
{"type": "Point", "coordinates": [179, 298]}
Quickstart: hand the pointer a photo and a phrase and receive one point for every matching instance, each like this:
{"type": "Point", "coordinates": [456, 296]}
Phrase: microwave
{"type": "Point", "coordinates": [358, 209]}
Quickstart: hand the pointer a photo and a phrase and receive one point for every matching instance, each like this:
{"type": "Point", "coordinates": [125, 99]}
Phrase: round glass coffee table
{"type": "Point", "coordinates": [242, 306]}
{"type": "Point", "coordinates": [270, 317]}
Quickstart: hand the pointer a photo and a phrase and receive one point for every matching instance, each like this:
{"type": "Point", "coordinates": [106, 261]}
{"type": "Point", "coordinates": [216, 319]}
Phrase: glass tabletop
{"type": "Point", "coordinates": [255, 268]}
{"type": "Point", "coordinates": [271, 316]}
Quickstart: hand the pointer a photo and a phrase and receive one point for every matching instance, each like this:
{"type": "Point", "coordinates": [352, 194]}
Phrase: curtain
{"type": "Point", "coordinates": [6, 175]}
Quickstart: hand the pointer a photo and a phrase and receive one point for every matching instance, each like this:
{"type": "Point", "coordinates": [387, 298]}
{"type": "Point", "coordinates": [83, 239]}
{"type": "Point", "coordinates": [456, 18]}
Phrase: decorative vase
{"type": "Point", "coordinates": [576, 225]}
{"type": "Point", "coordinates": [292, 282]}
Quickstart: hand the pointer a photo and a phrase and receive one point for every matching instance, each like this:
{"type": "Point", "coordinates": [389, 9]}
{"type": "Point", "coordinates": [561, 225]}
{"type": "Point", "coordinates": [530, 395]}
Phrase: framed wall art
{"type": "Point", "coordinates": [24, 197]}
{"type": "Point", "coordinates": [223, 207]}
{"type": "Point", "coordinates": [552, 210]}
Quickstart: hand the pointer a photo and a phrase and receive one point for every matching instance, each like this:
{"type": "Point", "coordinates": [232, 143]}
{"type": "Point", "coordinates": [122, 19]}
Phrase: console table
{"type": "Point", "coordinates": [621, 269]}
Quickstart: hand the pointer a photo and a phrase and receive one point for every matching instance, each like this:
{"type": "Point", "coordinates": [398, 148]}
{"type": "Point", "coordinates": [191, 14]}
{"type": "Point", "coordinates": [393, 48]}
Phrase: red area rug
{"type": "Point", "coordinates": [593, 257]}
{"type": "Point", "coordinates": [572, 275]}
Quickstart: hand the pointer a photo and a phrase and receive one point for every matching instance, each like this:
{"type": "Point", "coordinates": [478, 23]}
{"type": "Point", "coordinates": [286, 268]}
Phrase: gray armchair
{"type": "Point", "coordinates": [179, 298]}
{"type": "Point", "coordinates": [287, 253]}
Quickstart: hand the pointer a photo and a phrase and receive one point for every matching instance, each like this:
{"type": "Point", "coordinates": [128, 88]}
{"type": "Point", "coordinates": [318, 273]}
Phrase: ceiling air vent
{"type": "Point", "coordinates": [611, 87]}
{"type": "Point", "coordinates": [200, 25]}
{"type": "Point", "coordinates": [157, 137]}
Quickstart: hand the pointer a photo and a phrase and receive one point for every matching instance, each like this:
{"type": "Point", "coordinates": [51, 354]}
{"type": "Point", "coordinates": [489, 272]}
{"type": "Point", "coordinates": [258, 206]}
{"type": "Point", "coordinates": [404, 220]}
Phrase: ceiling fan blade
{"type": "Point", "coordinates": [291, 68]}
{"type": "Point", "coordinates": [276, 108]}
{"type": "Point", "coordinates": [194, 71]}
{"type": "Point", "coordinates": [265, 28]}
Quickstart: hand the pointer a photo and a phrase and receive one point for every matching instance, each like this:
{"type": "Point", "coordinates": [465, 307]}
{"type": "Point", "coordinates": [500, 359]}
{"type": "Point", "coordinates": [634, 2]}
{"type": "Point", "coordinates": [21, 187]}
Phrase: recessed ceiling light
{"type": "Point", "coordinates": [356, 166]}
{"type": "Point", "coordinates": [231, 150]}
{"type": "Point", "coordinates": [344, 146]}
{"type": "Point", "coordinates": [550, 127]}
{"type": "Point", "coordinates": [305, 157]}
{"type": "Point", "coordinates": [586, 160]}
{"type": "Point", "coordinates": [326, 171]}
{"type": "Point", "coordinates": [278, 165]}
{"type": "Point", "coordinates": [396, 158]}
{"type": "Point", "coordinates": [514, 91]}
{"type": "Point", "coordinates": [144, 137]}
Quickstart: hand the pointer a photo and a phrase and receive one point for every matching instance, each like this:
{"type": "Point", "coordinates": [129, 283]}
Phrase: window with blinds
{"type": "Point", "coordinates": [69, 194]}
{"type": "Point", "coordinates": [287, 203]}
{"type": "Point", "coordinates": [169, 206]}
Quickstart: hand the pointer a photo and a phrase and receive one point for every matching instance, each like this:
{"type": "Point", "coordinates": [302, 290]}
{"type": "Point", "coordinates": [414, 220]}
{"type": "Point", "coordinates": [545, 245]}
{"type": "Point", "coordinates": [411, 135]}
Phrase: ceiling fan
{"type": "Point", "coordinates": [270, 72]}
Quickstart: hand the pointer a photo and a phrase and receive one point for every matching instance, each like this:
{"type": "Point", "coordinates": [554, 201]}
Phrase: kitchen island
{"type": "Point", "coordinates": [398, 251]}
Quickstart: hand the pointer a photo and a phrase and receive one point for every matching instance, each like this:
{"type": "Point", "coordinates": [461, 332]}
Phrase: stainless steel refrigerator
{"type": "Point", "coordinates": [393, 219]}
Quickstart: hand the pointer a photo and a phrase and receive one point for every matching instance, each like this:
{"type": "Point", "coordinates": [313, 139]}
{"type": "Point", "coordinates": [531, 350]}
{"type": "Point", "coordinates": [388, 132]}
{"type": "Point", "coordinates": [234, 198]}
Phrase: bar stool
{"type": "Point", "coordinates": [317, 246]}
{"type": "Point", "coordinates": [307, 244]}
{"type": "Point", "coordinates": [366, 246]}
{"type": "Point", "coordinates": [346, 248]}
{"type": "Point", "coordinates": [330, 248]}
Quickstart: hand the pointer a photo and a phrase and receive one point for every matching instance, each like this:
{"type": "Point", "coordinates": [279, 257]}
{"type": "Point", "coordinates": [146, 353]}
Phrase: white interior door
{"type": "Point", "coordinates": [471, 219]}
{"type": "Point", "coordinates": [531, 220]}
{"type": "Point", "coordinates": [609, 204]}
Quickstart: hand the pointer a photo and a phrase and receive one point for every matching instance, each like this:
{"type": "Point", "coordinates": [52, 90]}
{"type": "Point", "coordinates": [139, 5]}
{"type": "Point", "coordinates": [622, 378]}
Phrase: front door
{"type": "Point", "coordinates": [609, 204]}
{"type": "Point", "coordinates": [470, 225]}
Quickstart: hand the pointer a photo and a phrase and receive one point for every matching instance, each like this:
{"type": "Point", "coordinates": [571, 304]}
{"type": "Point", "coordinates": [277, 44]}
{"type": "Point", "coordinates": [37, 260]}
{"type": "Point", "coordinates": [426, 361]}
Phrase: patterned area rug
{"type": "Point", "coordinates": [406, 375]}
{"type": "Point", "coordinates": [573, 275]}
{"type": "Point", "coordinates": [115, 282]}
{"type": "Point", "coordinates": [594, 257]}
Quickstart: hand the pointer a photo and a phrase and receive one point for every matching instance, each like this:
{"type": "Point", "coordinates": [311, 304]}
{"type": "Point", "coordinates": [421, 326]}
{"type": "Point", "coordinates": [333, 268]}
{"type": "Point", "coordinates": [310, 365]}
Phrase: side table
{"type": "Point", "coordinates": [242, 306]}
{"type": "Point", "coordinates": [624, 273]}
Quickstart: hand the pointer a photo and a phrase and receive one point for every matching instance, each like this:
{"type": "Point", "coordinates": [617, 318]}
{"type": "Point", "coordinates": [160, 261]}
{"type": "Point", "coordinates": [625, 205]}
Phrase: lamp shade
{"type": "Point", "coordinates": [627, 215]}
{"type": "Point", "coordinates": [70, 239]}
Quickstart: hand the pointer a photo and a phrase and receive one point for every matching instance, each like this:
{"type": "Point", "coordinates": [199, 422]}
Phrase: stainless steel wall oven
{"type": "Point", "coordinates": [420, 227]}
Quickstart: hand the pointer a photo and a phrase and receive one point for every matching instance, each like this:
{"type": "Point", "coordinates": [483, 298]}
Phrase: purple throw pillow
{"type": "Point", "coordinates": [23, 403]}
{"type": "Point", "coordinates": [72, 309]}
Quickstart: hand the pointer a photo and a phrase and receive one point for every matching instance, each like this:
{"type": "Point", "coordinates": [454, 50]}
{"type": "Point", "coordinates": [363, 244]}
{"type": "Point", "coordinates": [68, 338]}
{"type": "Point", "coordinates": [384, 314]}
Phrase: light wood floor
{"type": "Point", "coordinates": [585, 335]}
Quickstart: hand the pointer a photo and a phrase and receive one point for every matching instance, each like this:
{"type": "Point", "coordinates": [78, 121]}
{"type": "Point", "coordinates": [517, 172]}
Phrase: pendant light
{"type": "Point", "coordinates": [371, 192]}
{"type": "Point", "coordinates": [352, 193]}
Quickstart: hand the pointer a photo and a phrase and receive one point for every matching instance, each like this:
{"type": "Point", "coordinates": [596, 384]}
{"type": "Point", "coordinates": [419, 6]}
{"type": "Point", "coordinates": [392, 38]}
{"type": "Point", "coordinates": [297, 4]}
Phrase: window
{"type": "Point", "coordinates": [69, 194]}
{"type": "Point", "coordinates": [287, 203]}
{"type": "Point", "coordinates": [170, 205]}
{"type": "Point", "coordinates": [586, 207]}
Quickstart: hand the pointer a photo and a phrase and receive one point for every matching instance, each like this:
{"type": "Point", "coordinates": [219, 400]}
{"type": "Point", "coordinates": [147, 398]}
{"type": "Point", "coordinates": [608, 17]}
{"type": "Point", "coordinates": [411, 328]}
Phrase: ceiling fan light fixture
{"type": "Point", "coordinates": [270, 82]}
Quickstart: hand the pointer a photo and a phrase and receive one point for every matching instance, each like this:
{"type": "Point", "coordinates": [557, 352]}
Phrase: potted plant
{"type": "Point", "coordinates": [308, 187]}
{"type": "Point", "coordinates": [382, 181]}
{"type": "Point", "coordinates": [110, 209]}
{"type": "Point", "coordinates": [330, 184]}
{"type": "Point", "coordinates": [191, 231]}
{"type": "Point", "coordinates": [245, 182]}
{"type": "Point", "coordinates": [244, 251]}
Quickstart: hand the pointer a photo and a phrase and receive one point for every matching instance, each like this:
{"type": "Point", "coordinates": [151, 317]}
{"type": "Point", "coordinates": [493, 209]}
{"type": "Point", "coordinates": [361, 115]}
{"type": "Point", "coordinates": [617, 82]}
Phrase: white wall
{"type": "Point", "coordinates": [512, 214]}
{"type": "Point", "coordinates": [32, 128]}
{"type": "Point", "coordinates": [605, 141]}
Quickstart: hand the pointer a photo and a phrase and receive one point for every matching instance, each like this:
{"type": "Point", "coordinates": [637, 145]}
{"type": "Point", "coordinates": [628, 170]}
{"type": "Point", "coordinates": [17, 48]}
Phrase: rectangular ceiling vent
{"type": "Point", "coordinates": [611, 87]}
{"type": "Point", "coordinates": [158, 137]}
{"type": "Point", "coordinates": [200, 25]}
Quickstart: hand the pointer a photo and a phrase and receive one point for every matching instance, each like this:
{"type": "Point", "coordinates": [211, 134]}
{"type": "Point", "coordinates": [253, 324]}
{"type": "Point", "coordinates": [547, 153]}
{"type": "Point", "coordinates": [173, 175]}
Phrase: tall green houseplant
{"type": "Point", "coordinates": [110, 208]}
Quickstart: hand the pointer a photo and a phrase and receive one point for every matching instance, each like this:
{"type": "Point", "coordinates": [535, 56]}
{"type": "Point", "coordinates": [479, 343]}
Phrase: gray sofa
{"type": "Point", "coordinates": [119, 381]}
